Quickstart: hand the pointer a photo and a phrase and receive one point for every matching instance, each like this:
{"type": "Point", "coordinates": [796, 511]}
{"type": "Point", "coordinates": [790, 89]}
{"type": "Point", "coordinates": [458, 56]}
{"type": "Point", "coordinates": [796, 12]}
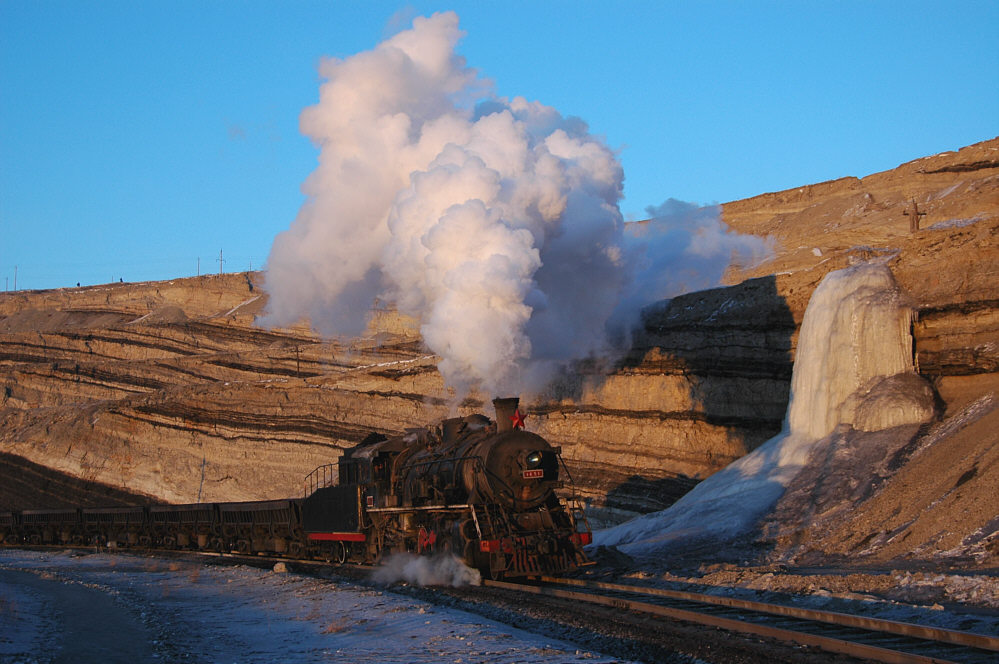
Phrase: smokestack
{"type": "Point", "coordinates": [505, 408]}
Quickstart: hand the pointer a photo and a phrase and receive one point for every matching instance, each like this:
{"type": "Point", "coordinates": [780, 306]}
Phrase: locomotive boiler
{"type": "Point", "coordinates": [489, 492]}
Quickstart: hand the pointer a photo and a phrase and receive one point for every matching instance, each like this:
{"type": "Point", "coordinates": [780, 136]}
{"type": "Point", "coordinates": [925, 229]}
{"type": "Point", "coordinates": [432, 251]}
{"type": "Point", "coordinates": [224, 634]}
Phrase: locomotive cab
{"type": "Point", "coordinates": [354, 471]}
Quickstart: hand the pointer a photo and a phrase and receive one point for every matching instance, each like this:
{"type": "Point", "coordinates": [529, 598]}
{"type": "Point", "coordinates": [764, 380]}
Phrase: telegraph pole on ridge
{"type": "Point", "coordinates": [220, 262]}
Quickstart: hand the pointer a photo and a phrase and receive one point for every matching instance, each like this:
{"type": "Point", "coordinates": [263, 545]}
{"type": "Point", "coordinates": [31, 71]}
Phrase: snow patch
{"type": "Point", "coordinates": [946, 192]}
{"type": "Point", "coordinates": [394, 363]}
{"type": "Point", "coordinates": [955, 223]}
{"type": "Point", "coordinates": [240, 306]}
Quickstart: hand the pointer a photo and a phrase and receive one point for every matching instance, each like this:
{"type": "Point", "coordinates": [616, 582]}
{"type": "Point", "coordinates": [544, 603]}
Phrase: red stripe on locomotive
{"type": "Point", "coordinates": [337, 537]}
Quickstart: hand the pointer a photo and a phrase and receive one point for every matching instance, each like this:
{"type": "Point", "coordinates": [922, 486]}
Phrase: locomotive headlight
{"type": "Point", "coordinates": [534, 459]}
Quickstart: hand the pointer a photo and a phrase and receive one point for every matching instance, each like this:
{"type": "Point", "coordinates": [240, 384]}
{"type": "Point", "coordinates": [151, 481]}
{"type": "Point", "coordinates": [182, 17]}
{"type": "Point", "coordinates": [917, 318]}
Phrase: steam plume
{"type": "Point", "coordinates": [439, 570]}
{"type": "Point", "coordinates": [492, 221]}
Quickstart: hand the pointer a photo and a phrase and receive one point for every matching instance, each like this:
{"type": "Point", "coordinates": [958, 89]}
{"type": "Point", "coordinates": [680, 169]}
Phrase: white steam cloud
{"type": "Point", "coordinates": [682, 248]}
{"type": "Point", "coordinates": [439, 570]}
{"type": "Point", "coordinates": [494, 222]}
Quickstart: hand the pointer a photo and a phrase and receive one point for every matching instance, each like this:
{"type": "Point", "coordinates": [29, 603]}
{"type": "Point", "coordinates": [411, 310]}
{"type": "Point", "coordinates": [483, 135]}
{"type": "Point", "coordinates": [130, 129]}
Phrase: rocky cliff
{"type": "Point", "coordinates": [168, 390]}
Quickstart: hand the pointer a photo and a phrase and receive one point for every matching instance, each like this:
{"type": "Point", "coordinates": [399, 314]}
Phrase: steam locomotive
{"type": "Point", "coordinates": [484, 491]}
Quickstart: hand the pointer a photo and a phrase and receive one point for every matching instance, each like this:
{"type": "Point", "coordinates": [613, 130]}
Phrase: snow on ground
{"type": "Point", "coordinates": [853, 350]}
{"type": "Point", "coordinates": [188, 611]}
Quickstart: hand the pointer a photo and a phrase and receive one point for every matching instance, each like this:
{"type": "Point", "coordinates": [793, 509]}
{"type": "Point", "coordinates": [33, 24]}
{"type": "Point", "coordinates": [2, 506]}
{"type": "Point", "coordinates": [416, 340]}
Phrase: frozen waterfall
{"type": "Point", "coordinates": [855, 341]}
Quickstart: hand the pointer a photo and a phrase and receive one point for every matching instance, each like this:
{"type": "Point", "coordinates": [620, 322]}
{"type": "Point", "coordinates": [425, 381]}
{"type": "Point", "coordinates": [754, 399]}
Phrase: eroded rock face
{"type": "Point", "coordinates": [705, 381]}
{"type": "Point", "coordinates": [170, 391]}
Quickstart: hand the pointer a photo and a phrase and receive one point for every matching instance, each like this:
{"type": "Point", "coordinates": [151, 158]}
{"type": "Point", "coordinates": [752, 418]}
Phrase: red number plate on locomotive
{"type": "Point", "coordinates": [533, 474]}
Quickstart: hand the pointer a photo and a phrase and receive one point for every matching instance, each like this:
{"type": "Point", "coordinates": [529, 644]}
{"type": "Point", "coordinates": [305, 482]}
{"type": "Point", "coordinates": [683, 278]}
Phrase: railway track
{"type": "Point", "coordinates": [866, 638]}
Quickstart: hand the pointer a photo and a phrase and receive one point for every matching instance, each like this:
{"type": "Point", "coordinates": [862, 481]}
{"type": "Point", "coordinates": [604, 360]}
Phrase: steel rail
{"type": "Point", "coordinates": [942, 635]}
{"type": "Point", "coordinates": [828, 643]}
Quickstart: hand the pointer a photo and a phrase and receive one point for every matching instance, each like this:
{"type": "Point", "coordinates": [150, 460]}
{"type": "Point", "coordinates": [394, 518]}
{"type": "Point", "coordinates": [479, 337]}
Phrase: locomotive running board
{"type": "Point", "coordinates": [425, 508]}
{"type": "Point", "coordinates": [336, 537]}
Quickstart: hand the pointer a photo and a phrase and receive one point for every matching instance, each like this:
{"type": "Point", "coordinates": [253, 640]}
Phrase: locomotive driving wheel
{"type": "Point", "coordinates": [340, 553]}
{"type": "Point", "coordinates": [497, 566]}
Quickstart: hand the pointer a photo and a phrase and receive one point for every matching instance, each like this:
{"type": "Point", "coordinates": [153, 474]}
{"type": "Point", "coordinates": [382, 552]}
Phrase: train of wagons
{"type": "Point", "coordinates": [486, 491]}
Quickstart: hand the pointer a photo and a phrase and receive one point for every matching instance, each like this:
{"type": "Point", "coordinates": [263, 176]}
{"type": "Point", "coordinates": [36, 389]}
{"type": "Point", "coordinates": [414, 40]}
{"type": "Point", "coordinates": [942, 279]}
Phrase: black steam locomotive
{"type": "Point", "coordinates": [484, 491]}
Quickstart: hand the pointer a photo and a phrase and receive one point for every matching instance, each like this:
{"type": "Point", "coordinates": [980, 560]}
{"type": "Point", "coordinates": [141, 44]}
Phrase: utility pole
{"type": "Point", "coordinates": [204, 459]}
{"type": "Point", "coordinates": [220, 262]}
{"type": "Point", "coordinates": [199, 266]}
{"type": "Point", "coordinates": [15, 277]}
{"type": "Point", "coordinates": [913, 214]}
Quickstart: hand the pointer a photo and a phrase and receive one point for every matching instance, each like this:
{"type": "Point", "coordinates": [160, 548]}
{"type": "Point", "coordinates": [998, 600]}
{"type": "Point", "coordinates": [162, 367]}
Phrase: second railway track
{"type": "Point", "coordinates": [862, 637]}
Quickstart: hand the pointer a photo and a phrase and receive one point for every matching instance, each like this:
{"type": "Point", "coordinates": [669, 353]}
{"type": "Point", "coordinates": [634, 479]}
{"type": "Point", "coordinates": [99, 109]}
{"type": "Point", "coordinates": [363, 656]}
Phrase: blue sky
{"type": "Point", "coordinates": [139, 137]}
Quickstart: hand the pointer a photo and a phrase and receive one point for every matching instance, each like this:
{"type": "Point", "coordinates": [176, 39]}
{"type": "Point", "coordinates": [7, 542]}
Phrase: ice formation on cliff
{"type": "Point", "coordinates": [853, 367]}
